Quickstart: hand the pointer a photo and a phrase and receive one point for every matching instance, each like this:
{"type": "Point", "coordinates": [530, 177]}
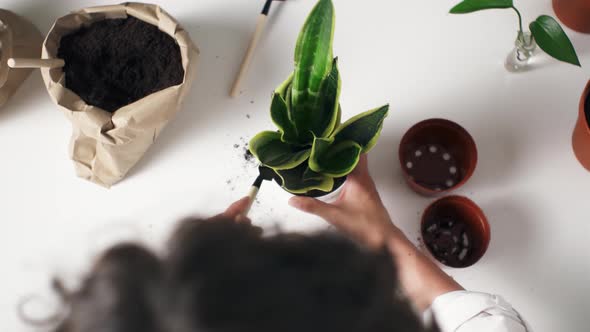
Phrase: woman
{"type": "Point", "coordinates": [223, 275]}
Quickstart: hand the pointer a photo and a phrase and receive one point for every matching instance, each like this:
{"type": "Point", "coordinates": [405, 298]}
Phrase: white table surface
{"type": "Point", "coordinates": [412, 54]}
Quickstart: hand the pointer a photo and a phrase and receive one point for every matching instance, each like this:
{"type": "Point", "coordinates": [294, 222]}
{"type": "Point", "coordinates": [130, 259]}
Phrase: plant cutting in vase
{"type": "Point", "coordinates": [312, 152]}
{"type": "Point", "coordinates": [545, 32]}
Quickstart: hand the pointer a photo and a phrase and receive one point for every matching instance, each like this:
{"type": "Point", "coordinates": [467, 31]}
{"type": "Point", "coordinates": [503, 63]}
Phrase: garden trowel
{"type": "Point", "coordinates": [264, 174]}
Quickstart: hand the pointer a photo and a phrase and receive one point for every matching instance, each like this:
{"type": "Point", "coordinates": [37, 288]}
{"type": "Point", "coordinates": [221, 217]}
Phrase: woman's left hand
{"type": "Point", "coordinates": [236, 210]}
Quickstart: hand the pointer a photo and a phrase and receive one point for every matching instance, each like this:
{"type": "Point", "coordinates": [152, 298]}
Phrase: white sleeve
{"type": "Point", "coordinates": [463, 311]}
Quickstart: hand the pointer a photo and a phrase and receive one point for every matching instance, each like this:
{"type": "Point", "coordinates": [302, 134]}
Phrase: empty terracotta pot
{"type": "Point", "coordinates": [581, 137]}
{"type": "Point", "coordinates": [437, 156]}
{"type": "Point", "coordinates": [573, 13]}
{"type": "Point", "coordinates": [455, 231]}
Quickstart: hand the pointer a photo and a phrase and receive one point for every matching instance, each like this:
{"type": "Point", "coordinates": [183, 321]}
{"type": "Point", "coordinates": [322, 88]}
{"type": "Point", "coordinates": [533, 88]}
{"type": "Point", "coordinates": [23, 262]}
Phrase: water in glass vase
{"type": "Point", "coordinates": [520, 57]}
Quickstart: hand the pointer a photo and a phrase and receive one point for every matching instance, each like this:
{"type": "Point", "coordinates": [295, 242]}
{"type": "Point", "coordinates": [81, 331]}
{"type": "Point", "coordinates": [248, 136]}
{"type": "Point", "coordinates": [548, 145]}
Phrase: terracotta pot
{"type": "Point", "coordinates": [573, 13]}
{"type": "Point", "coordinates": [437, 156]}
{"type": "Point", "coordinates": [581, 137]}
{"type": "Point", "coordinates": [455, 231]}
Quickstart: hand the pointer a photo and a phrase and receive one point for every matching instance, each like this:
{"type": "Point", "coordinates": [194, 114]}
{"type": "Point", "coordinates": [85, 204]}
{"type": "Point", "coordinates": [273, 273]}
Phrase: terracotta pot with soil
{"type": "Point", "coordinates": [18, 38]}
{"type": "Point", "coordinates": [127, 70]}
{"type": "Point", "coordinates": [581, 137]}
{"type": "Point", "coordinates": [455, 231]}
{"type": "Point", "coordinates": [437, 156]}
{"type": "Point", "coordinates": [575, 14]}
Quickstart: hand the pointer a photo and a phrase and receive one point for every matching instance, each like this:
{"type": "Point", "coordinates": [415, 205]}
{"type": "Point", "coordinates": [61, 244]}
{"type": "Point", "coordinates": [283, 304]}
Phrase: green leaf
{"type": "Point", "coordinates": [364, 129]}
{"type": "Point", "coordinates": [320, 117]}
{"type": "Point", "coordinates": [330, 107]}
{"type": "Point", "coordinates": [339, 117]}
{"type": "Point", "coordinates": [301, 180]}
{"type": "Point", "coordinates": [470, 6]}
{"type": "Point", "coordinates": [334, 159]}
{"type": "Point", "coordinates": [285, 91]}
{"type": "Point", "coordinates": [313, 64]}
{"type": "Point", "coordinates": [553, 40]}
{"type": "Point", "coordinates": [313, 52]}
{"type": "Point", "coordinates": [285, 87]}
{"type": "Point", "coordinates": [279, 113]}
{"type": "Point", "coordinates": [271, 151]}
{"type": "Point", "coordinates": [311, 175]}
{"type": "Point", "coordinates": [288, 100]}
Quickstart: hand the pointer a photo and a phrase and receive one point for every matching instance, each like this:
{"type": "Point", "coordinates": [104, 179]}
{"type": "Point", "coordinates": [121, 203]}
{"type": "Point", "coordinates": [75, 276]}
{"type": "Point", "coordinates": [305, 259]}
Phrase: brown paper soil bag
{"type": "Point", "coordinates": [104, 146]}
{"type": "Point", "coordinates": [18, 38]}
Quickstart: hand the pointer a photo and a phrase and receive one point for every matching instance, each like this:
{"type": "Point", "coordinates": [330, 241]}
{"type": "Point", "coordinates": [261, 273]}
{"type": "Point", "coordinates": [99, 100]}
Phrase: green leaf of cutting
{"type": "Point", "coordinates": [335, 159]}
{"type": "Point", "coordinates": [470, 6]}
{"type": "Point", "coordinates": [301, 180]}
{"type": "Point", "coordinates": [553, 40]}
{"type": "Point", "coordinates": [364, 129]}
{"type": "Point", "coordinates": [276, 154]}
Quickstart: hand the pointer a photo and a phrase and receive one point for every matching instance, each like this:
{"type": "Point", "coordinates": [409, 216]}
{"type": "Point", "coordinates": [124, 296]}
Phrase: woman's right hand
{"type": "Point", "coordinates": [358, 212]}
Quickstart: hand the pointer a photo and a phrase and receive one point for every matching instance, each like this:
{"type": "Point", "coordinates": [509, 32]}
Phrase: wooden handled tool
{"type": "Point", "coordinates": [264, 174]}
{"type": "Point", "coordinates": [35, 63]}
{"type": "Point", "coordinates": [261, 23]}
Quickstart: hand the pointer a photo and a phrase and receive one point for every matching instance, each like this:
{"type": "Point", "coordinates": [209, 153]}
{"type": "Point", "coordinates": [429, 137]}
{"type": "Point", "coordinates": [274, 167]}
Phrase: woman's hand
{"type": "Point", "coordinates": [236, 211]}
{"type": "Point", "coordinates": [360, 214]}
{"type": "Point", "coordinates": [358, 211]}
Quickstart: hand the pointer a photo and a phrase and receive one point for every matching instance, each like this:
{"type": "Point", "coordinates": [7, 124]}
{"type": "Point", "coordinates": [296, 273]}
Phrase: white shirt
{"type": "Point", "coordinates": [464, 311]}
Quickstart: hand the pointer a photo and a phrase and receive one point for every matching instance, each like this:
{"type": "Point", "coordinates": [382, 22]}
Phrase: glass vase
{"type": "Point", "coordinates": [519, 59]}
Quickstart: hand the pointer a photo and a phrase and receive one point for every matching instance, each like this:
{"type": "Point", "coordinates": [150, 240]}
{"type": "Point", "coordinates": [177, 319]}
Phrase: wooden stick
{"type": "Point", "coordinates": [252, 195]}
{"type": "Point", "coordinates": [249, 54]}
{"type": "Point", "coordinates": [35, 63]}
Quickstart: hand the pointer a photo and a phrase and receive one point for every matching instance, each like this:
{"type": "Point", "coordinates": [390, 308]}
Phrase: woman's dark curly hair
{"type": "Point", "coordinates": [219, 276]}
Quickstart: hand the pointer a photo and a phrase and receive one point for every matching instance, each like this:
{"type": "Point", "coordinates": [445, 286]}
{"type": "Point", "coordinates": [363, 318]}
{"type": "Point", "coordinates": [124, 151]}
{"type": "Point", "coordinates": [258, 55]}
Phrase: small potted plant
{"type": "Point", "coordinates": [545, 32]}
{"type": "Point", "coordinates": [312, 152]}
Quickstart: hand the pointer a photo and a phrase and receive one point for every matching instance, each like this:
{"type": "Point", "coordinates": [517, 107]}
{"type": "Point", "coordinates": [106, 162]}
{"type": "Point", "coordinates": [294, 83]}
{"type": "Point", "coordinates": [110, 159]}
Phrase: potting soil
{"type": "Point", "coordinates": [449, 240]}
{"type": "Point", "coordinates": [115, 62]}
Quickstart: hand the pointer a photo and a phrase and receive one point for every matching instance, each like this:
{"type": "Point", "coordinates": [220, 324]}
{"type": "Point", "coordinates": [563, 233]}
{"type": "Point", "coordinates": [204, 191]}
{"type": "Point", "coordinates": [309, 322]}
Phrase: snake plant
{"type": "Point", "coordinates": [312, 147]}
